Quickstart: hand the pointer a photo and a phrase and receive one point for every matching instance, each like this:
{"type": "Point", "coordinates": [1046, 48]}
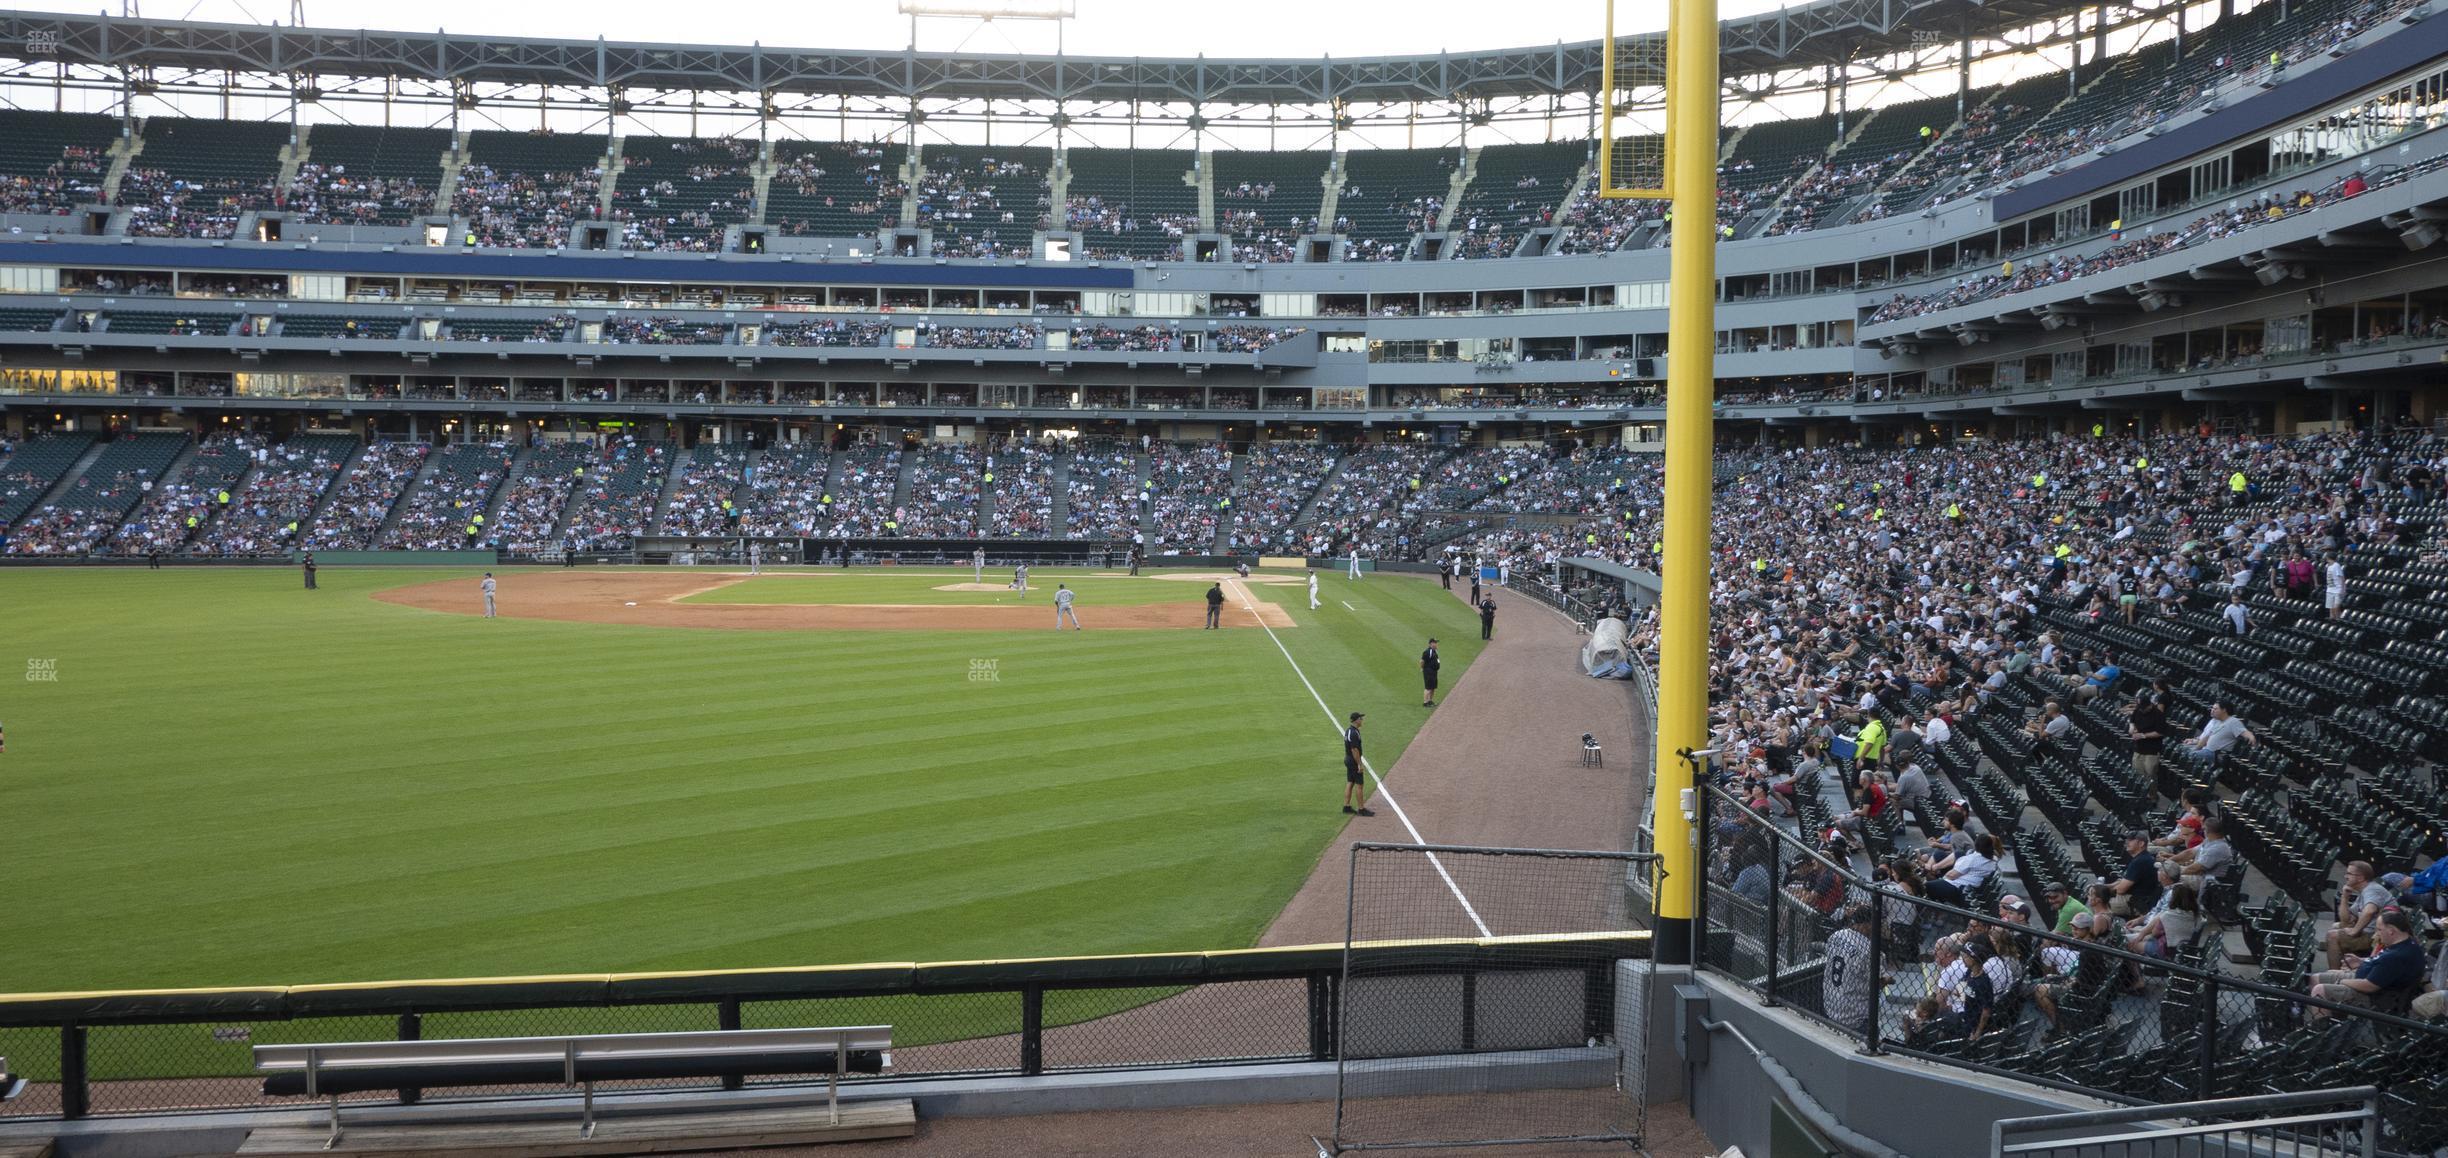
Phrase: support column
{"type": "Point", "coordinates": [1691, 385]}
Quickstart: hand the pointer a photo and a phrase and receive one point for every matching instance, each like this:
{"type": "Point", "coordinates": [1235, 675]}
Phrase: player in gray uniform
{"type": "Point", "coordinates": [756, 558]}
{"type": "Point", "coordinates": [488, 594]}
{"type": "Point", "coordinates": [977, 565]}
{"type": "Point", "coordinates": [1062, 608]}
{"type": "Point", "coordinates": [1020, 579]}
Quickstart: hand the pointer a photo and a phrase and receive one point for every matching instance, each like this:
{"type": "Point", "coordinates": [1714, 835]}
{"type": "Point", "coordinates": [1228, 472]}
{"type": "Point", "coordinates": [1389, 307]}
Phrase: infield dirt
{"type": "Point", "coordinates": [646, 599]}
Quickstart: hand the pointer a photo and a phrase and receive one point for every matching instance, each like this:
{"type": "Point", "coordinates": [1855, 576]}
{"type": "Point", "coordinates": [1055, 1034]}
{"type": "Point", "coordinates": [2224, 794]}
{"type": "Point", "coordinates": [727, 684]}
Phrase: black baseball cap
{"type": "Point", "coordinates": [1356, 716]}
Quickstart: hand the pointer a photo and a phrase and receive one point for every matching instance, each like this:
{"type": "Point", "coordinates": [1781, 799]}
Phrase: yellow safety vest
{"type": "Point", "coordinates": [1759, 564]}
{"type": "Point", "coordinates": [2097, 430]}
{"type": "Point", "coordinates": [2064, 551]}
{"type": "Point", "coordinates": [1880, 513]}
{"type": "Point", "coordinates": [2039, 480]}
{"type": "Point", "coordinates": [2235, 482]}
{"type": "Point", "coordinates": [2142, 463]}
{"type": "Point", "coordinates": [1954, 511]}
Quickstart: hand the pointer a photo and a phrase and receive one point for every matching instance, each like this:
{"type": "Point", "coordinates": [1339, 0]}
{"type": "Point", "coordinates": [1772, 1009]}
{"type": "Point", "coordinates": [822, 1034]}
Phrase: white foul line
{"type": "Point", "coordinates": [1399, 814]}
{"type": "Point", "coordinates": [1347, 607]}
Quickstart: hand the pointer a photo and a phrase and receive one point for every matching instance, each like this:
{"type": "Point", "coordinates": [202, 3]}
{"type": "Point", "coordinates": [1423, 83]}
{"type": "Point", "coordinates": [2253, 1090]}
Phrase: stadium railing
{"type": "Point", "coordinates": [2186, 1031]}
{"type": "Point", "coordinates": [190, 1051]}
{"type": "Point", "coordinates": [2341, 1122]}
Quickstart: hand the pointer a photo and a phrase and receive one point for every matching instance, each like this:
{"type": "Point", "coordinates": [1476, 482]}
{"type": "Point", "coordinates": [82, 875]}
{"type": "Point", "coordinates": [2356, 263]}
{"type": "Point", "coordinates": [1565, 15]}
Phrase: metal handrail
{"type": "Point", "coordinates": [2368, 1116]}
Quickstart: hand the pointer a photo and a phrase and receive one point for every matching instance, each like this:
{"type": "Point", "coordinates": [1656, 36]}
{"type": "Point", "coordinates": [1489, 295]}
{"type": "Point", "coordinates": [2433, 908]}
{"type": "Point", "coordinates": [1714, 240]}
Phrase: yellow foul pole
{"type": "Point", "coordinates": [1691, 346]}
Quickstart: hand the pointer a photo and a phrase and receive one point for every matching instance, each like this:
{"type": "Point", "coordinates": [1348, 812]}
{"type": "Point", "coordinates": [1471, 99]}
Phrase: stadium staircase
{"type": "Point", "coordinates": [832, 477]}
{"type": "Point", "coordinates": [1775, 212]}
{"type": "Point", "coordinates": [986, 499]}
{"type": "Point", "coordinates": [901, 484]}
{"type": "Point", "coordinates": [1457, 187]}
{"type": "Point", "coordinates": [613, 165]}
{"type": "Point", "coordinates": [122, 152]}
{"type": "Point", "coordinates": [1224, 527]}
{"type": "Point", "coordinates": [1206, 196]}
{"type": "Point", "coordinates": [399, 505]}
{"type": "Point", "coordinates": [331, 490]}
{"type": "Point", "coordinates": [1058, 189]}
{"type": "Point", "coordinates": [179, 472]}
{"type": "Point", "coordinates": [1061, 475]}
{"type": "Point", "coordinates": [1333, 182]}
{"type": "Point", "coordinates": [674, 477]}
{"type": "Point", "coordinates": [448, 187]}
{"type": "Point", "coordinates": [294, 154]}
{"type": "Point", "coordinates": [570, 505]}
{"type": "Point", "coordinates": [912, 172]}
{"type": "Point", "coordinates": [1143, 471]}
{"type": "Point", "coordinates": [66, 482]}
{"type": "Point", "coordinates": [760, 178]}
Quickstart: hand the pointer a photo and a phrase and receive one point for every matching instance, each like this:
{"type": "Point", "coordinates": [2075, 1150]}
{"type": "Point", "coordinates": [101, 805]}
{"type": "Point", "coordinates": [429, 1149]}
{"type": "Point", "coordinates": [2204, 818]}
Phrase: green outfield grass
{"type": "Point", "coordinates": [233, 781]}
{"type": "Point", "coordinates": [892, 585]}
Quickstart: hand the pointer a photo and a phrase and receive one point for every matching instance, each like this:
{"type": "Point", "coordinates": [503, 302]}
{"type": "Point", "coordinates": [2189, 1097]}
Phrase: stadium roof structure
{"type": "Point", "coordinates": [1802, 43]}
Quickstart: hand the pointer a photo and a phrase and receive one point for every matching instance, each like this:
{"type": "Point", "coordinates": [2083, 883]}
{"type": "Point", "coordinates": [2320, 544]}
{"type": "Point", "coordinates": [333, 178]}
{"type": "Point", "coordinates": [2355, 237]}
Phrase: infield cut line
{"type": "Point", "coordinates": [1382, 790]}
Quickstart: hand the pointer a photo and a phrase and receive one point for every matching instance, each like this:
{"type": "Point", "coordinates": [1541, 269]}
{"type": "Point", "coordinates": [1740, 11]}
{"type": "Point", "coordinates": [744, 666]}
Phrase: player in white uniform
{"type": "Point", "coordinates": [1313, 599]}
{"type": "Point", "coordinates": [1355, 561]}
{"type": "Point", "coordinates": [488, 594]}
{"type": "Point", "coordinates": [1062, 608]}
{"type": "Point", "coordinates": [977, 565]}
{"type": "Point", "coordinates": [1020, 578]}
{"type": "Point", "coordinates": [2335, 596]}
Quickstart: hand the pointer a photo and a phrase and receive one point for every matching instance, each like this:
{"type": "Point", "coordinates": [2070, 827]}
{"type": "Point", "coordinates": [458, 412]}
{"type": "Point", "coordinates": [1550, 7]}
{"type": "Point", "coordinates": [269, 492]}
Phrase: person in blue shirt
{"type": "Point", "coordinates": [2396, 970]}
{"type": "Point", "coordinates": [2102, 679]}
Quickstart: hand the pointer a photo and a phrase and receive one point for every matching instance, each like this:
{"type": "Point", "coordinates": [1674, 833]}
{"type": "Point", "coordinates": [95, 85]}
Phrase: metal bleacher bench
{"type": "Point", "coordinates": [330, 1070]}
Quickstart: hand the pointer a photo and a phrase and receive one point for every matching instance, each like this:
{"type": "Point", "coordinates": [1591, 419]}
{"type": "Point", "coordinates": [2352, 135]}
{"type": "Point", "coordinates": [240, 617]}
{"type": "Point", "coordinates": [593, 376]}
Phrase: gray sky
{"type": "Point", "coordinates": [1304, 28]}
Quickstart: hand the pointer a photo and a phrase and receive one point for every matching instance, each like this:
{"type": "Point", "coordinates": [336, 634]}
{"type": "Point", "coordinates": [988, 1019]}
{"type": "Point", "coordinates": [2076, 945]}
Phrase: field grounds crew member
{"type": "Point", "coordinates": [1353, 793]}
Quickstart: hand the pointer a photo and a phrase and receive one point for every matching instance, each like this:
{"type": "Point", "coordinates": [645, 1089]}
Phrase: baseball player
{"type": "Point", "coordinates": [1062, 608]}
{"type": "Point", "coordinates": [310, 571]}
{"type": "Point", "coordinates": [756, 558]}
{"type": "Point", "coordinates": [1313, 599]}
{"type": "Point", "coordinates": [1355, 561]}
{"type": "Point", "coordinates": [1020, 579]}
{"type": "Point", "coordinates": [488, 594]}
{"type": "Point", "coordinates": [977, 565]}
{"type": "Point", "coordinates": [1430, 664]}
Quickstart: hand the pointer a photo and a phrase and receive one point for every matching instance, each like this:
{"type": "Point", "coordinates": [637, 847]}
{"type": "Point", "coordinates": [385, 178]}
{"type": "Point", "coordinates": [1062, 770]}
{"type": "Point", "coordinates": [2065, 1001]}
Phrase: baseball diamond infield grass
{"type": "Point", "coordinates": [216, 778]}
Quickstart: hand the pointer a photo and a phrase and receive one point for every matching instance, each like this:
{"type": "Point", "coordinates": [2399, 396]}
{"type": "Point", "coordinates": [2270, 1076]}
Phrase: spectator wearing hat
{"type": "Point", "coordinates": [2060, 908]}
{"type": "Point", "coordinates": [2137, 888]}
{"type": "Point", "coordinates": [2062, 964]}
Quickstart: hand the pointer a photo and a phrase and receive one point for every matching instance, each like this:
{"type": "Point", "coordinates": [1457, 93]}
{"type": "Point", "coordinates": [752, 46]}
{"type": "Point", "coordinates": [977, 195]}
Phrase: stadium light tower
{"type": "Point", "coordinates": [1689, 172]}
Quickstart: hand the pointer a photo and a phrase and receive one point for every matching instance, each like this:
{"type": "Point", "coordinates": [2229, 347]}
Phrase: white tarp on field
{"type": "Point", "coordinates": [1603, 656]}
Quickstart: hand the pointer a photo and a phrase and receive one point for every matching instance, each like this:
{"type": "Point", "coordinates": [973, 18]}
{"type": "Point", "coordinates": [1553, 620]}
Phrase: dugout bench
{"type": "Point", "coordinates": [333, 1069]}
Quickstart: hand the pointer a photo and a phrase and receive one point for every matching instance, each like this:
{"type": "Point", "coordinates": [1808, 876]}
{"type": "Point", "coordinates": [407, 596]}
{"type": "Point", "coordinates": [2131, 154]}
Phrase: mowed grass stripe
{"type": "Point", "coordinates": [238, 782]}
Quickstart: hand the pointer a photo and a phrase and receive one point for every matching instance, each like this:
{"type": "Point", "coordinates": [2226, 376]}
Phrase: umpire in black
{"type": "Point", "coordinates": [1428, 674]}
{"type": "Point", "coordinates": [1215, 604]}
{"type": "Point", "coordinates": [1487, 617]}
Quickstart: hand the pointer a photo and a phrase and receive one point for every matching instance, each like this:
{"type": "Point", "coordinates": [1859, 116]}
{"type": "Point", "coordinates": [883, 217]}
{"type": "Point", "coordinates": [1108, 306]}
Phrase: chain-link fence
{"type": "Point", "coordinates": [1522, 1048]}
{"type": "Point", "coordinates": [2066, 998]}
